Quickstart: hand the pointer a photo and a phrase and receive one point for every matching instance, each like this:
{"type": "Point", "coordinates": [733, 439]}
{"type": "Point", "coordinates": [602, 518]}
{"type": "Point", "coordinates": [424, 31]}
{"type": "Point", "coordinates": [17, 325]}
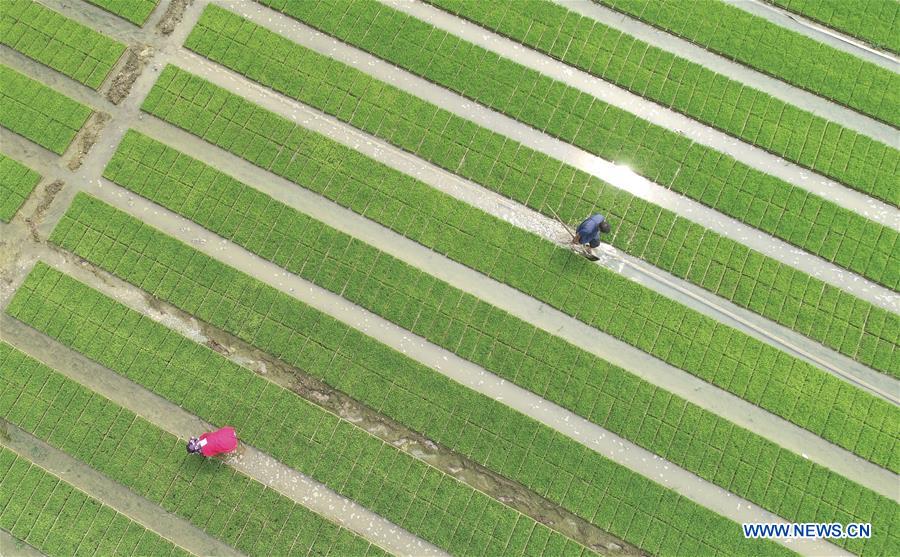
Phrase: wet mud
{"type": "Point", "coordinates": [135, 60]}
{"type": "Point", "coordinates": [48, 194]}
{"type": "Point", "coordinates": [174, 14]}
{"type": "Point", "coordinates": [86, 138]}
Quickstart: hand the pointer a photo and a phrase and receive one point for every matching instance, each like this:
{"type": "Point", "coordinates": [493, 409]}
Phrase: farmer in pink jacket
{"type": "Point", "coordinates": [214, 443]}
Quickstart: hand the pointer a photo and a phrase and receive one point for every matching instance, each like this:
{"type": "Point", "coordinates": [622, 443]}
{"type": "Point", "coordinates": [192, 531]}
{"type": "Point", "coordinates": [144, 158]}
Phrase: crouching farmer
{"type": "Point", "coordinates": [588, 232]}
{"type": "Point", "coordinates": [214, 443]}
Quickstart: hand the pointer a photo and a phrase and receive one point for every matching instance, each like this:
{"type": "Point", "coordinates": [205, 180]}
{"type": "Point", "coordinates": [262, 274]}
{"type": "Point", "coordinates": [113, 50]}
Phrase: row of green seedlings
{"type": "Point", "coordinates": [148, 460]}
{"type": "Point", "coordinates": [685, 338]}
{"type": "Point", "coordinates": [17, 181]}
{"type": "Point", "coordinates": [54, 40]}
{"type": "Point", "coordinates": [777, 51]}
{"type": "Point", "coordinates": [688, 250]}
{"type": "Point", "coordinates": [692, 89]}
{"type": "Point", "coordinates": [663, 156]}
{"type": "Point", "coordinates": [609, 495]}
{"type": "Point", "coordinates": [39, 113]}
{"type": "Point", "coordinates": [426, 501]}
{"type": "Point", "coordinates": [872, 22]}
{"type": "Point", "coordinates": [56, 518]}
{"type": "Point", "coordinates": [501, 343]}
{"type": "Point", "coordinates": [135, 11]}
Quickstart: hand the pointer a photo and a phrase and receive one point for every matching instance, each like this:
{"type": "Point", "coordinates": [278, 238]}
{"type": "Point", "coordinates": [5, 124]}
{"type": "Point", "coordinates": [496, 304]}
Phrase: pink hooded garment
{"type": "Point", "coordinates": [217, 442]}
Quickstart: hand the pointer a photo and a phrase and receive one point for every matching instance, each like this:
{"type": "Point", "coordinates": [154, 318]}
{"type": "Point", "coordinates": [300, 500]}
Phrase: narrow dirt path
{"type": "Point", "coordinates": [99, 486]}
{"type": "Point", "coordinates": [779, 89]}
{"type": "Point", "coordinates": [14, 547]}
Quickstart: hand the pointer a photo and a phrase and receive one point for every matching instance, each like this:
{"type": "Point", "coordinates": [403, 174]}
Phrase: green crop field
{"type": "Point", "coordinates": [135, 11]}
{"type": "Point", "coordinates": [733, 188]}
{"type": "Point", "coordinates": [39, 113]}
{"type": "Point", "coordinates": [870, 20]}
{"type": "Point", "coordinates": [54, 517]}
{"type": "Point", "coordinates": [59, 42]}
{"type": "Point", "coordinates": [17, 181]}
{"type": "Point", "coordinates": [692, 89]}
{"type": "Point", "coordinates": [289, 235]}
{"type": "Point", "coordinates": [645, 230]}
{"type": "Point", "coordinates": [801, 61]}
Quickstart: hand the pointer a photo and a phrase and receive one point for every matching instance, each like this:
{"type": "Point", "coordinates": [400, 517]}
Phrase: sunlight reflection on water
{"type": "Point", "coordinates": [622, 177]}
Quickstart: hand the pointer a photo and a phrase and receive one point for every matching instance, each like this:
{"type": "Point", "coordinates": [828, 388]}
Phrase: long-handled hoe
{"type": "Point", "coordinates": [577, 249]}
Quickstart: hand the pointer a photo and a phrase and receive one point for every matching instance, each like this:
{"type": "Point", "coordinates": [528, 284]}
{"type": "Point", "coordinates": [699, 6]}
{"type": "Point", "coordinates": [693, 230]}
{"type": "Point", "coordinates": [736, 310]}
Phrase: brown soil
{"type": "Point", "coordinates": [122, 82]}
{"type": "Point", "coordinates": [50, 191]}
{"type": "Point", "coordinates": [173, 15]}
{"type": "Point", "coordinates": [86, 138]}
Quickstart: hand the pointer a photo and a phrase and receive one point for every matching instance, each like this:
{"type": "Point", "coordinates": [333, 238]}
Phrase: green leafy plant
{"type": "Point", "coordinates": [52, 516]}
{"type": "Point", "coordinates": [873, 21]}
{"type": "Point", "coordinates": [662, 156]}
{"type": "Point", "coordinates": [512, 346]}
{"type": "Point", "coordinates": [481, 241]}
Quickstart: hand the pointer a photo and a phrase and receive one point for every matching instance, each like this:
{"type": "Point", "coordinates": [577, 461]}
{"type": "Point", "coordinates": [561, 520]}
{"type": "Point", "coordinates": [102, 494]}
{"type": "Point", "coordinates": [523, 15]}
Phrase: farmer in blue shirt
{"type": "Point", "coordinates": [588, 232]}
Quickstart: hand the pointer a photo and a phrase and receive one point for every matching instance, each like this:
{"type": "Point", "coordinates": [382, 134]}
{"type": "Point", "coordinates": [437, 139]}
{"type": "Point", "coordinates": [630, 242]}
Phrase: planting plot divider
{"type": "Point", "coordinates": [467, 421]}
{"type": "Point", "coordinates": [37, 112]}
{"type": "Point", "coordinates": [673, 82]}
{"type": "Point", "coordinates": [749, 368]}
{"type": "Point", "coordinates": [174, 420]}
{"type": "Point", "coordinates": [663, 156]}
{"type": "Point", "coordinates": [65, 45]}
{"type": "Point", "coordinates": [308, 438]}
{"type": "Point", "coordinates": [97, 17]}
{"type": "Point", "coordinates": [17, 181]}
{"type": "Point", "coordinates": [382, 287]}
{"type": "Point", "coordinates": [54, 516]}
{"type": "Point", "coordinates": [659, 232]}
{"type": "Point", "coordinates": [802, 61]}
{"type": "Point", "coordinates": [114, 441]}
